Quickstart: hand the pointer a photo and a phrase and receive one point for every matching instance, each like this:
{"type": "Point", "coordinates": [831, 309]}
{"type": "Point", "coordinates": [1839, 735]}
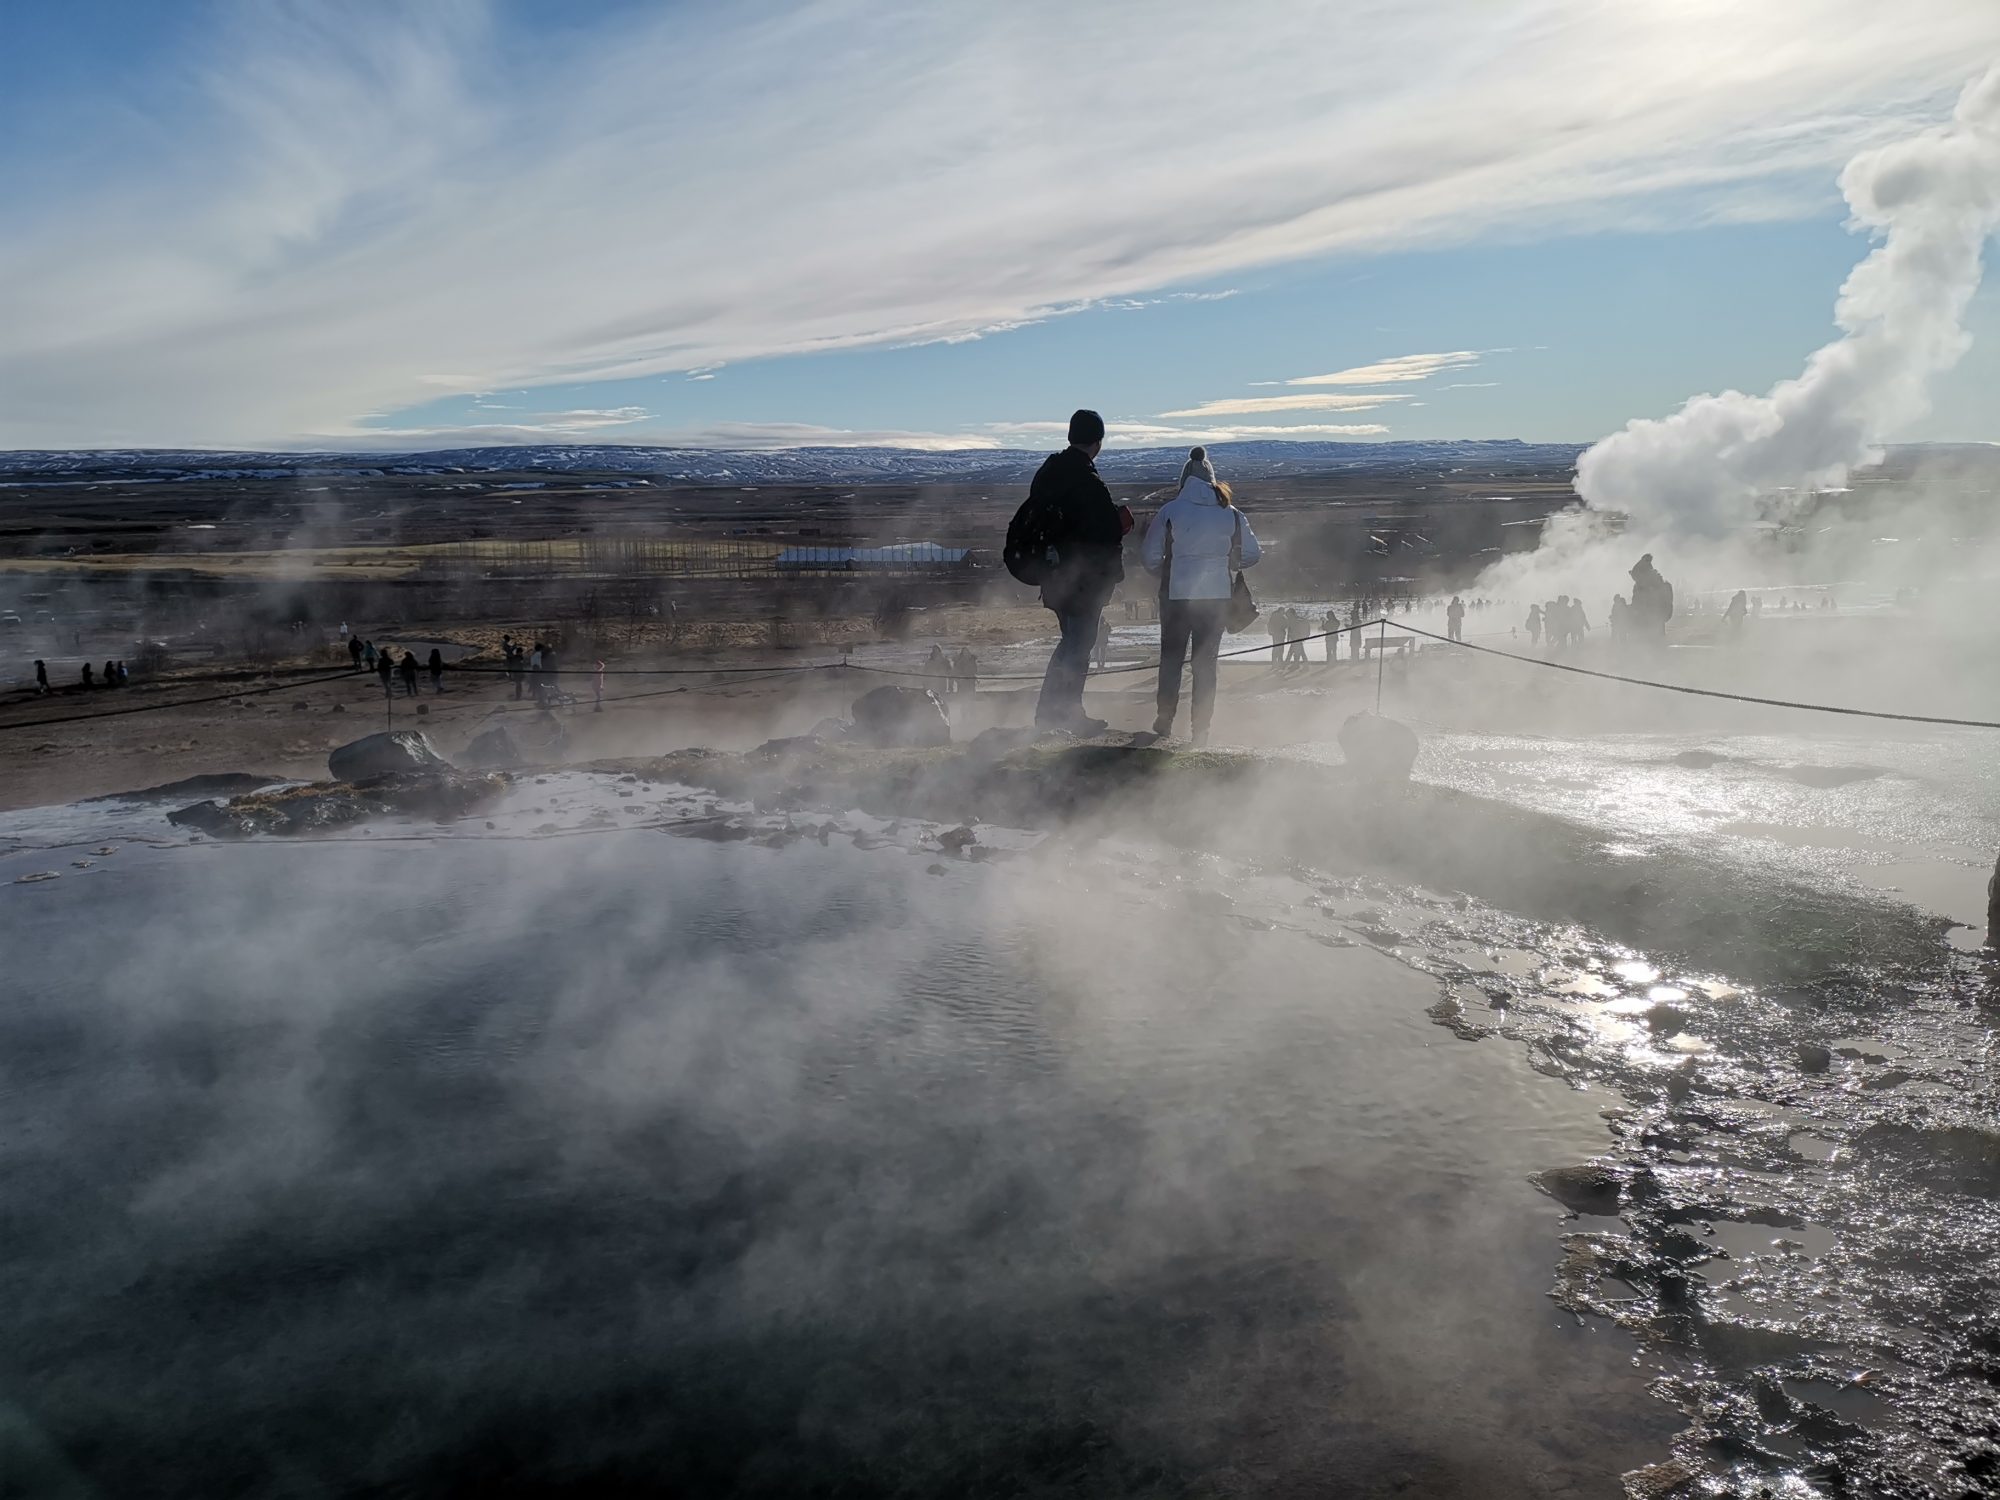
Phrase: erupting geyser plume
{"type": "Point", "coordinates": [1935, 199]}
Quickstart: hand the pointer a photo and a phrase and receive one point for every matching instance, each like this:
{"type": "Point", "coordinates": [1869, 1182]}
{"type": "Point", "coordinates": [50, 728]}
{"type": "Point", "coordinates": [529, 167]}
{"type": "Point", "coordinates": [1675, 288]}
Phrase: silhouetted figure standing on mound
{"type": "Point", "coordinates": [1068, 538]}
{"type": "Point", "coordinates": [1739, 607]}
{"type": "Point", "coordinates": [436, 669]}
{"type": "Point", "coordinates": [1652, 601]}
{"type": "Point", "coordinates": [89, 676]}
{"type": "Point", "coordinates": [385, 668]}
{"type": "Point", "coordinates": [1454, 619]}
{"type": "Point", "coordinates": [1197, 542]}
{"type": "Point", "coordinates": [41, 677]}
{"type": "Point", "coordinates": [410, 673]}
{"type": "Point", "coordinates": [354, 652]}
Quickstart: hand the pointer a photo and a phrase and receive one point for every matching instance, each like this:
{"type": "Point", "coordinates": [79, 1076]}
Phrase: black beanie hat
{"type": "Point", "coordinates": [1085, 427]}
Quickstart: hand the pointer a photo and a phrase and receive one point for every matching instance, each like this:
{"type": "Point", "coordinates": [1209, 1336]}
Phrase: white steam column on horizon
{"type": "Point", "coordinates": [1934, 200]}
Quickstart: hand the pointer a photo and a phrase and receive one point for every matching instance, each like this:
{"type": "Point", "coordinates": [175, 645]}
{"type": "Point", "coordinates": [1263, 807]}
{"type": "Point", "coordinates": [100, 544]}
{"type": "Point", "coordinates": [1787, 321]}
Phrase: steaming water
{"type": "Point", "coordinates": [664, 1165]}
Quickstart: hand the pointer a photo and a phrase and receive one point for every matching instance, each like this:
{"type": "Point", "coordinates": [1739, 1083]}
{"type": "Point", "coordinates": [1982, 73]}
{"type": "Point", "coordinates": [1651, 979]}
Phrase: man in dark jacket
{"type": "Point", "coordinates": [1652, 601]}
{"type": "Point", "coordinates": [1089, 562]}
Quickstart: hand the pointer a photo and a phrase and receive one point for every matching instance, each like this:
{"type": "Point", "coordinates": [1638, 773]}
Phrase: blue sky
{"type": "Point", "coordinates": [288, 224]}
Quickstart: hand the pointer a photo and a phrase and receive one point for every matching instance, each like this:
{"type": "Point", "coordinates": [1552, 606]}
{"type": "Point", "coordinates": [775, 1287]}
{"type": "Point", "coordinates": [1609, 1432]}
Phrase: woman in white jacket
{"type": "Point", "coordinates": [1190, 545]}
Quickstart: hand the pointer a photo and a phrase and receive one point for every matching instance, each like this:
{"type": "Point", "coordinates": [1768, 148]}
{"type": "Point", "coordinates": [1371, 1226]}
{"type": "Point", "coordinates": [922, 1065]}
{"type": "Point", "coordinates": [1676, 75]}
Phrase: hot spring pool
{"type": "Point", "coordinates": [650, 1164]}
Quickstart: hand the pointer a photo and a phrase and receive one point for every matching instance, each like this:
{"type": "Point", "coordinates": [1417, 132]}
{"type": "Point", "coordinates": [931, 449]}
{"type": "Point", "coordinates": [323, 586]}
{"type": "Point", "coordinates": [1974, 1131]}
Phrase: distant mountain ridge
{"type": "Point", "coordinates": [1260, 460]}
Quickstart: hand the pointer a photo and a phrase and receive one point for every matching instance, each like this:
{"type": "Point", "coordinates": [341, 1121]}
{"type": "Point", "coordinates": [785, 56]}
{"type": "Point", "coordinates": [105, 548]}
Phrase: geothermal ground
{"type": "Point", "coordinates": [1609, 1107]}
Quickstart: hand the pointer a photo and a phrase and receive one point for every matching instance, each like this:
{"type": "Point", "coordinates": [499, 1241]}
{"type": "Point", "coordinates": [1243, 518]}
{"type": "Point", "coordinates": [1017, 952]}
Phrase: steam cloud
{"type": "Point", "coordinates": [1935, 199]}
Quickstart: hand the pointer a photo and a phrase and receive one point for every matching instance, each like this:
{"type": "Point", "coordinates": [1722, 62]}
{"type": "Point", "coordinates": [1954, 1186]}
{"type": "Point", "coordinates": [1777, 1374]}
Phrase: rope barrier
{"type": "Point", "coordinates": [147, 708]}
{"type": "Point", "coordinates": [1677, 687]}
{"type": "Point", "coordinates": [767, 671]}
{"type": "Point", "coordinates": [649, 671]}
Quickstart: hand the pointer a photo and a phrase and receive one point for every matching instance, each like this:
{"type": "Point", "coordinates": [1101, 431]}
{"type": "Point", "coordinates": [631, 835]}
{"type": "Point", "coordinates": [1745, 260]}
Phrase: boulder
{"type": "Point", "coordinates": [832, 731]}
{"type": "Point", "coordinates": [383, 754]}
{"type": "Point", "coordinates": [1379, 749]}
{"type": "Point", "coordinates": [219, 783]}
{"type": "Point", "coordinates": [492, 750]}
{"type": "Point", "coordinates": [901, 718]}
{"type": "Point", "coordinates": [212, 818]}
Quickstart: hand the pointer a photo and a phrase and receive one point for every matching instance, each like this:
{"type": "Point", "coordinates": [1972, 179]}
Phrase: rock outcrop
{"type": "Point", "coordinates": [388, 753]}
{"type": "Point", "coordinates": [439, 793]}
{"type": "Point", "coordinates": [901, 718]}
{"type": "Point", "coordinates": [492, 750]}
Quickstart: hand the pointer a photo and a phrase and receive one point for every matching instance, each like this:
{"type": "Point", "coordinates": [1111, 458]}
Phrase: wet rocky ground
{"type": "Point", "coordinates": [1797, 1210]}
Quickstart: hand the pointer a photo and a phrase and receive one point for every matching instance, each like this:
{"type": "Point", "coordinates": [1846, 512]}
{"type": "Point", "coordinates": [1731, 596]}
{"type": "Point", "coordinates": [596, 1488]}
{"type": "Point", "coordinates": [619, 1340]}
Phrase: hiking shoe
{"type": "Point", "coordinates": [1163, 728]}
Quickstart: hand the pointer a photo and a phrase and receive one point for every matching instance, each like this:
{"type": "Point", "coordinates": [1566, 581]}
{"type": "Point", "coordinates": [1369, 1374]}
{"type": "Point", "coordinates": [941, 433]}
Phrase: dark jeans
{"type": "Point", "coordinates": [1069, 664]}
{"type": "Point", "coordinates": [1182, 621]}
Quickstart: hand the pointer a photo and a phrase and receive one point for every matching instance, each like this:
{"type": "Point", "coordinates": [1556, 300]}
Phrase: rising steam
{"type": "Point", "coordinates": [1934, 199]}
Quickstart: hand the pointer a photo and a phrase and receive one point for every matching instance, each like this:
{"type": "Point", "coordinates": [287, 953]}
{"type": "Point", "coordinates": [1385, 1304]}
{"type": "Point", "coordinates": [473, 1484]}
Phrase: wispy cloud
{"type": "Point", "coordinates": [530, 427]}
{"type": "Point", "coordinates": [356, 207]}
{"type": "Point", "coordinates": [1470, 385]}
{"type": "Point", "coordinates": [1244, 406]}
{"type": "Point", "coordinates": [1404, 367]}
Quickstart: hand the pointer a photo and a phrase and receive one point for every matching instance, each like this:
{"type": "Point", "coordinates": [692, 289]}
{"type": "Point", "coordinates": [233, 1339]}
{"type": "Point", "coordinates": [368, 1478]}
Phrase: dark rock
{"type": "Point", "coordinates": [797, 744]}
{"type": "Point", "coordinates": [224, 783]}
{"type": "Point", "coordinates": [1696, 760]}
{"type": "Point", "coordinates": [957, 838]}
{"type": "Point", "coordinates": [901, 718]}
{"type": "Point", "coordinates": [832, 731]}
{"type": "Point", "coordinates": [383, 754]}
{"type": "Point", "coordinates": [1380, 749]}
{"type": "Point", "coordinates": [440, 794]}
{"type": "Point", "coordinates": [1814, 1058]}
{"type": "Point", "coordinates": [1670, 1480]}
{"type": "Point", "coordinates": [1592, 1187]}
{"type": "Point", "coordinates": [1666, 1020]}
{"type": "Point", "coordinates": [214, 819]}
{"type": "Point", "coordinates": [492, 749]}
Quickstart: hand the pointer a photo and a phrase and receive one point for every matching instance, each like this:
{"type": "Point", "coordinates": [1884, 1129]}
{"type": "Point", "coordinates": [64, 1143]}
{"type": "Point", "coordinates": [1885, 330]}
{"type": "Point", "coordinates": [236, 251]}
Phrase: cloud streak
{"type": "Point", "coordinates": [1245, 406]}
{"type": "Point", "coordinates": [363, 208]}
{"type": "Point", "coordinates": [1405, 367]}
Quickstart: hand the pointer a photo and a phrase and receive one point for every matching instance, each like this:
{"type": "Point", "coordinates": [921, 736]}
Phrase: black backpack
{"type": "Point", "coordinates": [1034, 540]}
